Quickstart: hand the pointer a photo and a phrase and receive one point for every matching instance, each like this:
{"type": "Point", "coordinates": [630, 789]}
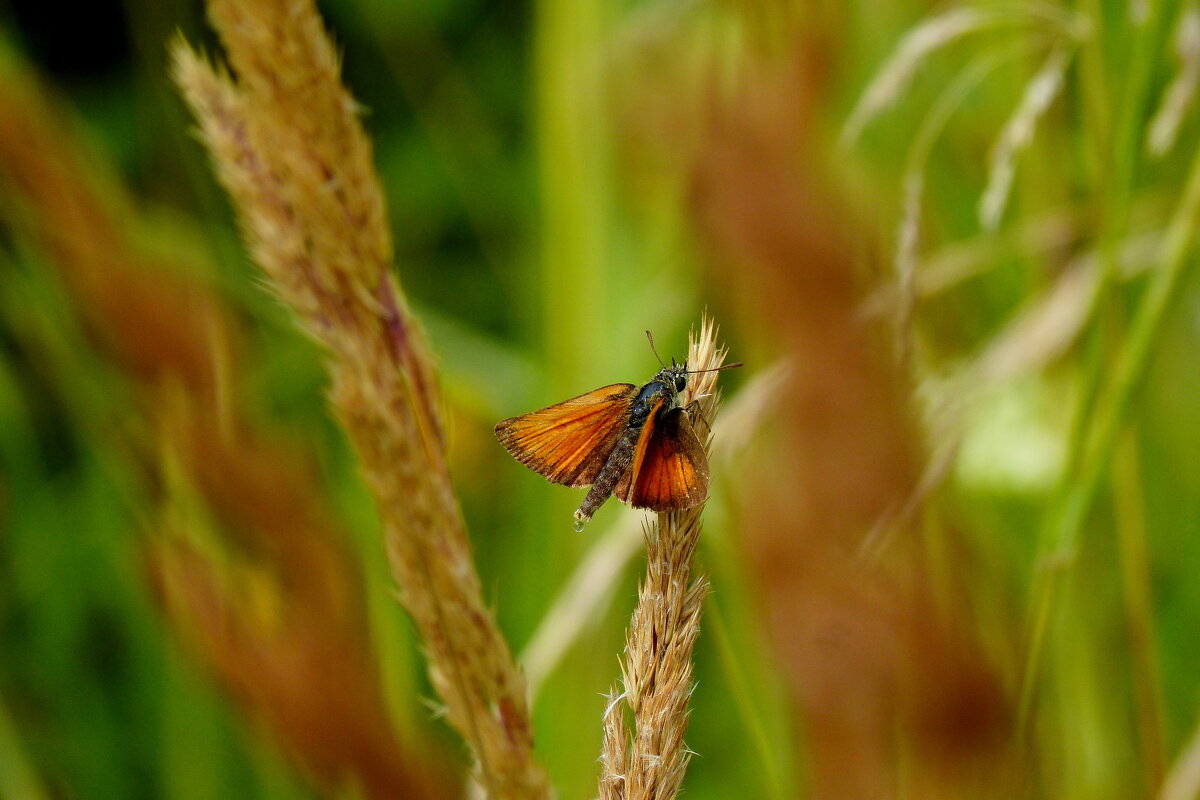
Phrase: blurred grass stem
{"type": "Point", "coordinates": [18, 778]}
{"type": "Point", "coordinates": [1113, 403]}
{"type": "Point", "coordinates": [1114, 156]}
{"type": "Point", "coordinates": [775, 780]}
{"type": "Point", "coordinates": [571, 145]}
{"type": "Point", "coordinates": [1129, 506]}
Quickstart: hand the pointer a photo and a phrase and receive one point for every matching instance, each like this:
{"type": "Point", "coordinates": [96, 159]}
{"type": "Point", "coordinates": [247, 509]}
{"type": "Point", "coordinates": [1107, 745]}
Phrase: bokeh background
{"type": "Point", "coordinates": [955, 521]}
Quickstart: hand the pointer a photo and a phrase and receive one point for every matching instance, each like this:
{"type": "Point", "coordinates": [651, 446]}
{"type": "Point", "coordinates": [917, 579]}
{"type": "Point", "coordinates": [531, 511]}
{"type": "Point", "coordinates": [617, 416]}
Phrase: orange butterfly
{"type": "Point", "coordinates": [636, 443]}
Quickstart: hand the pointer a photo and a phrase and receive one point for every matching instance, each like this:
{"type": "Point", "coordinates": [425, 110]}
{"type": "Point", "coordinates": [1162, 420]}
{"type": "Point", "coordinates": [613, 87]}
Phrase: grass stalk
{"type": "Point", "coordinates": [571, 146]}
{"type": "Point", "coordinates": [1106, 392]}
{"type": "Point", "coordinates": [1114, 399]}
{"type": "Point", "coordinates": [1132, 361]}
{"type": "Point", "coordinates": [649, 762]}
{"type": "Point", "coordinates": [1129, 507]}
{"type": "Point", "coordinates": [1115, 155]}
{"type": "Point", "coordinates": [289, 148]}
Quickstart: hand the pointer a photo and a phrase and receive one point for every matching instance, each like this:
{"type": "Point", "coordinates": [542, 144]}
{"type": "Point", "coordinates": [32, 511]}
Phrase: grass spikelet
{"type": "Point", "coordinates": [897, 72]}
{"type": "Point", "coordinates": [656, 672]}
{"type": "Point", "coordinates": [289, 148]}
{"type": "Point", "coordinates": [1181, 93]}
{"type": "Point", "coordinates": [1018, 133]}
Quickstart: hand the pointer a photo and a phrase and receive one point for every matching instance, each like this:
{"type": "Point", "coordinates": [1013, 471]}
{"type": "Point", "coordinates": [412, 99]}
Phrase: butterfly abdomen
{"type": "Point", "coordinates": [619, 460]}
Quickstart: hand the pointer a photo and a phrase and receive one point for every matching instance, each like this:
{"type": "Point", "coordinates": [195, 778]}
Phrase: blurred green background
{"type": "Point", "coordinates": [955, 523]}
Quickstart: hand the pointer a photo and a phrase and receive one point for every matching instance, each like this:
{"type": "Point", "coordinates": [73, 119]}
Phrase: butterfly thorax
{"type": "Point", "coordinates": [649, 397]}
{"type": "Point", "coordinates": [666, 385]}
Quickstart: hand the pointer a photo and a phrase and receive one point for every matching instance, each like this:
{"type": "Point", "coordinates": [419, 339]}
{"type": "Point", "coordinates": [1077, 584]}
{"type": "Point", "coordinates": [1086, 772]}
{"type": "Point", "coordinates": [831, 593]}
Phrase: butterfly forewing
{"type": "Point", "coordinates": [570, 441]}
{"type": "Point", "coordinates": [670, 469]}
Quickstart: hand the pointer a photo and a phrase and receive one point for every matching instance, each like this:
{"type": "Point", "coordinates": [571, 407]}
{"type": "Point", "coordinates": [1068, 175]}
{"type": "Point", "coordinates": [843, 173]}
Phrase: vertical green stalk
{"type": "Point", "coordinates": [1132, 362]}
{"type": "Point", "coordinates": [1129, 505]}
{"type": "Point", "coordinates": [1097, 115]}
{"type": "Point", "coordinates": [777, 781]}
{"type": "Point", "coordinates": [571, 153]}
{"type": "Point", "coordinates": [1112, 408]}
{"type": "Point", "coordinates": [192, 762]}
{"type": "Point", "coordinates": [570, 129]}
{"type": "Point", "coordinates": [1114, 156]}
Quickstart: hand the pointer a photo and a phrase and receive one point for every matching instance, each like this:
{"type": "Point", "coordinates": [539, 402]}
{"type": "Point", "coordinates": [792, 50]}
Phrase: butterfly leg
{"type": "Point", "coordinates": [696, 414]}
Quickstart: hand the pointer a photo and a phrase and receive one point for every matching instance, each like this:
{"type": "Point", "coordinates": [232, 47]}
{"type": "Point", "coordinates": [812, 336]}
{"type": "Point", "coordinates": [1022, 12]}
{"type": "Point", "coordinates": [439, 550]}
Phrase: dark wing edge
{"type": "Point", "coordinates": [569, 442]}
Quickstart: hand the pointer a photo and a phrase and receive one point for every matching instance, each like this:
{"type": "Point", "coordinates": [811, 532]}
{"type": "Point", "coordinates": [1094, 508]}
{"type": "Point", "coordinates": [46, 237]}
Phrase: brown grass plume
{"type": "Point", "coordinates": [288, 146]}
{"type": "Point", "coordinates": [305, 671]}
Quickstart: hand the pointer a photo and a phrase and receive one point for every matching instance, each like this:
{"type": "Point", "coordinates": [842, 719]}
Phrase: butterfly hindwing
{"type": "Point", "coordinates": [569, 442]}
{"type": "Point", "coordinates": [625, 484]}
{"type": "Point", "coordinates": [670, 468]}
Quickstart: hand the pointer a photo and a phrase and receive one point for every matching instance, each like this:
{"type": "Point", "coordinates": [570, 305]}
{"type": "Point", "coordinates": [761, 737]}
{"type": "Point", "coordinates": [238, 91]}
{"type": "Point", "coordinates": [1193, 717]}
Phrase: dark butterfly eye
{"type": "Point", "coordinates": [680, 382]}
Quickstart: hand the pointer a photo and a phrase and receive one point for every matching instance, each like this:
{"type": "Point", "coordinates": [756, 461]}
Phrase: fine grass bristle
{"type": "Point", "coordinates": [897, 72]}
{"type": "Point", "coordinates": [1018, 133]}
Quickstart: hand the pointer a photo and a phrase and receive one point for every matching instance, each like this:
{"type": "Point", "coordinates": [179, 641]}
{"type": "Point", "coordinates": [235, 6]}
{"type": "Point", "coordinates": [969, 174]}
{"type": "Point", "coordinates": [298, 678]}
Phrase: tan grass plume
{"type": "Point", "coordinates": [656, 672]}
{"type": "Point", "coordinates": [288, 146]}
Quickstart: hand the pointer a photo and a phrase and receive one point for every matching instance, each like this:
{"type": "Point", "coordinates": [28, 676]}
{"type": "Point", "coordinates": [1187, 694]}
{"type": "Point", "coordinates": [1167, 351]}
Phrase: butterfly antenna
{"type": "Point", "coordinates": [717, 369]}
{"type": "Point", "coordinates": [650, 336]}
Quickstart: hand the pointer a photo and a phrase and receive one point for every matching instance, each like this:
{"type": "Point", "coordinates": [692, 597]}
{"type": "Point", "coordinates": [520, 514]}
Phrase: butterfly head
{"type": "Point", "coordinates": [674, 377]}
